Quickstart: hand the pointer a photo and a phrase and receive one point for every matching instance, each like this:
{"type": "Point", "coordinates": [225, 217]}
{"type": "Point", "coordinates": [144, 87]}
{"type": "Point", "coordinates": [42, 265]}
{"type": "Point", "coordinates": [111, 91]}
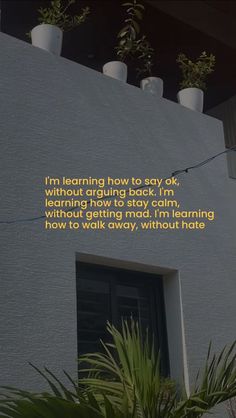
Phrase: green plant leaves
{"type": "Point", "coordinates": [195, 73]}
{"type": "Point", "coordinates": [56, 15]}
{"type": "Point", "coordinates": [124, 381]}
{"type": "Point", "coordinates": [128, 34]}
{"type": "Point", "coordinates": [130, 368]}
{"type": "Point", "coordinates": [130, 46]}
{"type": "Point", "coordinates": [145, 55]}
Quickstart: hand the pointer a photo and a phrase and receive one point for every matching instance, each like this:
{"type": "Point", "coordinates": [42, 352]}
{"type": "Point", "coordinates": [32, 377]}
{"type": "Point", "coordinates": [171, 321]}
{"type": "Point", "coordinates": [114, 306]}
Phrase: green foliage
{"type": "Point", "coordinates": [129, 367]}
{"type": "Point", "coordinates": [128, 34]}
{"type": "Point", "coordinates": [216, 383]}
{"type": "Point", "coordinates": [27, 405]}
{"type": "Point", "coordinates": [124, 381]}
{"type": "Point", "coordinates": [145, 56]}
{"type": "Point", "coordinates": [130, 45]}
{"type": "Point", "coordinates": [62, 402]}
{"type": "Point", "coordinates": [195, 73]}
{"type": "Point", "coordinates": [57, 15]}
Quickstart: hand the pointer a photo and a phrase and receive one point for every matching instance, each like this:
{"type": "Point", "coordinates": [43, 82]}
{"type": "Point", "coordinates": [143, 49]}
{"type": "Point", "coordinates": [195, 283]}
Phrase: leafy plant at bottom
{"type": "Point", "coordinates": [49, 406]}
{"type": "Point", "coordinates": [124, 381]}
{"type": "Point", "coordinates": [129, 367]}
{"type": "Point", "coordinates": [60, 403]}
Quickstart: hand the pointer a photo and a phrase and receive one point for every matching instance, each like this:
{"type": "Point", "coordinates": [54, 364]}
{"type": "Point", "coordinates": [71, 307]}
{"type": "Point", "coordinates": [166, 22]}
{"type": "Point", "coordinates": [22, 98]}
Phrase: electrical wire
{"type": "Point", "coordinates": [173, 174]}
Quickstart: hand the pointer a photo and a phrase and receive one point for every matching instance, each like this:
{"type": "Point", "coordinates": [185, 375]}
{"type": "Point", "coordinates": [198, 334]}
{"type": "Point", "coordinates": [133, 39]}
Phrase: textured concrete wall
{"type": "Point", "coordinates": [59, 118]}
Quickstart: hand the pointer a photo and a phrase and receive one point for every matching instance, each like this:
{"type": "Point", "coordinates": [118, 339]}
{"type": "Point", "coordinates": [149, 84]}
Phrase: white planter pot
{"type": "Point", "coordinates": [116, 69]}
{"type": "Point", "coordinates": [48, 37]}
{"type": "Point", "coordinates": [191, 97]}
{"type": "Point", "coordinates": [153, 85]}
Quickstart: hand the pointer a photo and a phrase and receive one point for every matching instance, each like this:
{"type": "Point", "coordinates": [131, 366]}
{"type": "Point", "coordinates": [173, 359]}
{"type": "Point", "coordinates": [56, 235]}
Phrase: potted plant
{"type": "Point", "coordinates": [194, 75]}
{"type": "Point", "coordinates": [53, 21]}
{"type": "Point", "coordinates": [145, 53]}
{"type": "Point", "coordinates": [126, 47]}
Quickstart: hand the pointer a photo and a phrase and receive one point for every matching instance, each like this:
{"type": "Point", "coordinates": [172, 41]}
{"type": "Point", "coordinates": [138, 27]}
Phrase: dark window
{"type": "Point", "coordinates": [110, 294]}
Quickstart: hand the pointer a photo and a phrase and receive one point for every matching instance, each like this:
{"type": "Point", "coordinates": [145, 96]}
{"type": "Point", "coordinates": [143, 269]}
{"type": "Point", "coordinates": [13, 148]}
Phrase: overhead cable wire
{"type": "Point", "coordinates": [173, 174]}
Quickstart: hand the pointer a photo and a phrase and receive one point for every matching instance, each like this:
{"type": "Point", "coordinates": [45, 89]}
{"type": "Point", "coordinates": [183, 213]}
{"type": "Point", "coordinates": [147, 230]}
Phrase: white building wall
{"type": "Point", "coordinates": [59, 118]}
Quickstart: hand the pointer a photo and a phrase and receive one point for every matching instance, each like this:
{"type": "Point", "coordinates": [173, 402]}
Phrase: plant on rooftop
{"type": "Point", "coordinates": [124, 381]}
{"type": "Point", "coordinates": [53, 21]}
{"type": "Point", "coordinates": [57, 15]}
{"type": "Point", "coordinates": [194, 76]}
{"type": "Point", "coordinates": [128, 34]}
{"type": "Point", "coordinates": [127, 37]}
{"type": "Point", "coordinates": [145, 57]}
{"type": "Point", "coordinates": [194, 73]}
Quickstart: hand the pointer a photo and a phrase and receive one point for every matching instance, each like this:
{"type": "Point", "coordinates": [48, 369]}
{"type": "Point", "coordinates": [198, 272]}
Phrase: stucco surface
{"type": "Point", "coordinates": [60, 118]}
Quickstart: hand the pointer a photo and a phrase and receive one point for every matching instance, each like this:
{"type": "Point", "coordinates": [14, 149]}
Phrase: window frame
{"type": "Point", "coordinates": [125, 277]}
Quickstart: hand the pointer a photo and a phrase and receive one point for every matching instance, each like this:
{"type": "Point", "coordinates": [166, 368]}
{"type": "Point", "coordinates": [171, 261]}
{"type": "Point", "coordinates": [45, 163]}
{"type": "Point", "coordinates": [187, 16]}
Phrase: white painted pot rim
{"type": "Point", "coordinates": [192, 98]}
{"type": "Point", "coordinates": [46, 24]}
{"type": "Point", "coordinates": [115, 62]}
{"type": "Point", "coordinates": [153, 85]}
{"type": "Point", "coordinates": [116, 69]}
{"type": "Point", "coordinates": [191, 88]}
{"type": "Point", "coordinates": [48, 37]}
